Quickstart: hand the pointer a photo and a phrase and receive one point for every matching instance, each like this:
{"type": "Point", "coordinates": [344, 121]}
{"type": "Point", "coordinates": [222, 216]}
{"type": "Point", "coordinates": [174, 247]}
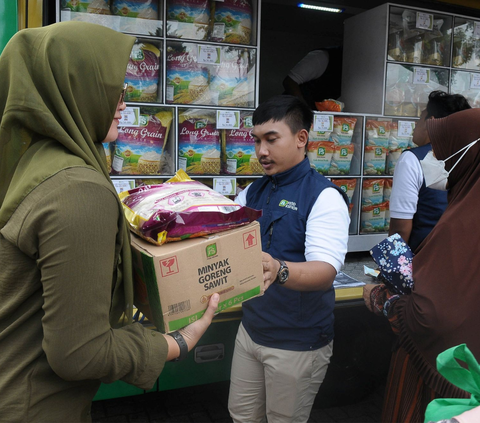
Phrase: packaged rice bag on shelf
{"type": "Point", "coordinates": [341, 160]}
{"type": "Point", "coordinates": [374, 160]}
{"type": "Point", "coordinates": [387, 189]}
{"type": "Point", "coordinates": [108, 155]}
{"type": "Point", "coordinates": [232, 22]}
{"type": "Point", "coordinates": [181, 209]}
{"type": "Point", "coordinates": [320, 155]}
{"type": "Point", "coordinates": [347, 186]}
{"type": "Point", "coordinates": [372, 191]}
{"type": "Point", "coordinates": [240, 149]}
{"type": "Point", "coordinates": [141, 9]}
{"type": "Point", "coordinates": [343, 128]}
{"type": "Point", "coordinates": [373, 218]}
{"type": "Point", "coordinates": [187, 80]}
{"type": "Point", "coordinates": [378, 133]}
{"type": "Point", "coordinates": [188, 19]}
{"type": "Point", "coordinates": [143, 72]}
{"type": "Point", "coordinates": [387, 216]}
{"type": "Point", "coordinates": [396, 141]}
{"type": "Point", "coordinates": [318, 135]}
{"type": "Point", "coordinates": [139, 150]}
{"type": "Point", "coordinates": [392, 158]}
{"type": "Point", "coordinates": [198, 142]}
{"type": "Point", "coordinates": [100, 7]}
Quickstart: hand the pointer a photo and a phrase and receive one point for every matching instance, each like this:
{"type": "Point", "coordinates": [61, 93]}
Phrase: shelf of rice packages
{"type": "Point", "coordinates": [191, 242]}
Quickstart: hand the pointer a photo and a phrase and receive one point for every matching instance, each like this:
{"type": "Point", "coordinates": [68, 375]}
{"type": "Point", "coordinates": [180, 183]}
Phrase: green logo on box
{"type": "Point", "coordinates": [211, 250]}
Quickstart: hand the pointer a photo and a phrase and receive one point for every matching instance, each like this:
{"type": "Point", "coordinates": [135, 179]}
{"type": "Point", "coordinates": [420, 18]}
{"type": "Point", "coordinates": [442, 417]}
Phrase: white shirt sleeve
{"type": "Point", "coordinates": [241, 198]}
{"type": "Point", "coordinates": [327, 229]}
{"type": "Point", "coordinates": [407, 181]}
{"type": "Point", "coordinates": [312, 66]}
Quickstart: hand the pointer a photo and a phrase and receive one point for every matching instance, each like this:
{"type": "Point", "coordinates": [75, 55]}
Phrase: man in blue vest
{"type": "Point", "coordinates": [285, 340]}
{"type": "Point", "coordinates": [414, 208]}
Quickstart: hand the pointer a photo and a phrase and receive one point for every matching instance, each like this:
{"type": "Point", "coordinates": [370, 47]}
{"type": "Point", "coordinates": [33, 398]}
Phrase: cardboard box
{"type": "Point", "coordinates": [174, 281]}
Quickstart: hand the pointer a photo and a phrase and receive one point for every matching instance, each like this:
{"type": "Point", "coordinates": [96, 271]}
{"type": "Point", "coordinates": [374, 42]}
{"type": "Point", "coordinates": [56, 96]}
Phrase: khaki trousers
{"type": "Point", "coordinates": [278, 384]}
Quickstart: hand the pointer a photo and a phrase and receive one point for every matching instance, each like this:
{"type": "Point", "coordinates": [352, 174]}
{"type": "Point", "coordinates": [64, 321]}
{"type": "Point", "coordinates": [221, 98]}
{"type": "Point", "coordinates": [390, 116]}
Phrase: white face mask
{"type": "Point", "coordinates": [436, 176]}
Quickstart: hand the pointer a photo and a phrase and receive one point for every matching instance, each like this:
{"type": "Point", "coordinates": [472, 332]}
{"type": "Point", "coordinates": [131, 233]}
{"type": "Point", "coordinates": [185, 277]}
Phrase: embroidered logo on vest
{"type": "Point", "coordinates": [288, 205]}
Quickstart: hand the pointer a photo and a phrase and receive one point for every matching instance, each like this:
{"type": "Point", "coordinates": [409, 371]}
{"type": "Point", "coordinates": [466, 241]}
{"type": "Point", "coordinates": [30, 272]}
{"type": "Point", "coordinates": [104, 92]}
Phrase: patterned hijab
{"type": "Point", "coordinates": [59, 92]}
{"type": "Point", "coordinates": [443, 309]}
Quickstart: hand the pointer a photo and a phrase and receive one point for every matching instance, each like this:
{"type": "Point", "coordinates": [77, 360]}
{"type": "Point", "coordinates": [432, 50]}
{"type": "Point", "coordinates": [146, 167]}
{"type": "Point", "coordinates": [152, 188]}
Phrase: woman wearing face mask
{"type": "Point", "coordinates": [442, 311]}
{"type": "Point", "coordinates": [66, 268]}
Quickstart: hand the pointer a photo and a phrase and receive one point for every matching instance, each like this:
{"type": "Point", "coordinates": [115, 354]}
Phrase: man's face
{"type": "Point", "coordinates": [277, 149]}
{"type": "Point", "coordinates": [420, 134]}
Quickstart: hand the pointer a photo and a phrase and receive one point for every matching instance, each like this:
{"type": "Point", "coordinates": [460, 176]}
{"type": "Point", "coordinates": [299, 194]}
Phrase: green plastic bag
{"type": "Point", "coordinates": [466, 379]}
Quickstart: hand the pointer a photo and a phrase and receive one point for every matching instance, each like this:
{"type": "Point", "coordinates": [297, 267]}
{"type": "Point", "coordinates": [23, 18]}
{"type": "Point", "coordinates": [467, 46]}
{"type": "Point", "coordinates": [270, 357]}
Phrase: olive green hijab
{"type": "Point", "coordinates": [59, 90]}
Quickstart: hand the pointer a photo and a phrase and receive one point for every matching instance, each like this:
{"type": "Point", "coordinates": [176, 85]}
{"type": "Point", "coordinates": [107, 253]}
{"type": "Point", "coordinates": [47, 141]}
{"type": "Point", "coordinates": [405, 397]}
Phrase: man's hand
{"type": "Point", "coordinates": [270, 270]}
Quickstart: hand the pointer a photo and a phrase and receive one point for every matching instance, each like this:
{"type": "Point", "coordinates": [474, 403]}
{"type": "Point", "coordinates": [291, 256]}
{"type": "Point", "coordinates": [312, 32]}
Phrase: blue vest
{"type": "Point", "coordinates": [431, 205]}
{"type": "Point", "coordinates": [283, 318]}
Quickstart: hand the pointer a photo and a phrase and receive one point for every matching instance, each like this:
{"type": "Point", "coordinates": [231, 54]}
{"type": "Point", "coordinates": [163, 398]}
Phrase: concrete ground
{"type": "Point", "coordinates": [208, 403]}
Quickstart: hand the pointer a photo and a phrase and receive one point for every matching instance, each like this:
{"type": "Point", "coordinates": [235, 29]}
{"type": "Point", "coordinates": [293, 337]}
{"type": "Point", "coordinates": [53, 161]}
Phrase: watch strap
{"type": "Point", "coordinates": [181, 343]}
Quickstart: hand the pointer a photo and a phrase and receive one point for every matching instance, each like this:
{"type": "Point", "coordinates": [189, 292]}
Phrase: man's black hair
{"type": "Point", "coordinates": [440, 104]}
{"type": "Point", "coordinates": [288, 108]}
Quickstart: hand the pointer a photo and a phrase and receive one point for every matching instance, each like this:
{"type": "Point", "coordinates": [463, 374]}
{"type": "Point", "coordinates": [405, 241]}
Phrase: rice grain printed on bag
{"type": "Point", "coordinates": [181, 208]}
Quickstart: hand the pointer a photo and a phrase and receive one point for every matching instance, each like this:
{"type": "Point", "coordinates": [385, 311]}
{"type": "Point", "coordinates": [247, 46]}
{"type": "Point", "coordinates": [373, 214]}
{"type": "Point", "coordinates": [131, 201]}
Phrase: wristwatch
{"type": "Point", "coordinates": [283, 272]}
{"type": "Point", "coordinates": [181, 343]}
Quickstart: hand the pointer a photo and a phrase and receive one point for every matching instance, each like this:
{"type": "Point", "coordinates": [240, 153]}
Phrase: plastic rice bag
{"type": "Point", "coordinates": [181, 208]}
{"type": "Point", "coordinates": [188, 18]}
{"type": "Point", "coordinates": [233, 22]}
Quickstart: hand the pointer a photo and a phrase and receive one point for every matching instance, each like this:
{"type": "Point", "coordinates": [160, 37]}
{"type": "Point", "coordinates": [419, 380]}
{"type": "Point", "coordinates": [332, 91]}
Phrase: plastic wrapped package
{"type": "Point", "coordinates": [199, 146]}
{"type": "Point", "coordinates": [232, 22]}
{"type": "Point", "coordinates": [378, 133]}
{"type": "Point", "coordinates": [347, 186]}
{"type": "Point", "coordinates": [396, 141]}
{"type": "Point", "coordinates": [188, 19]}
{"type": "Point", "coordinates": [373, 218]}
{"type": "Point", "coordinates": [108, 155]}
{"type": "Point", "coordinates": [100, 7]}
{"type": "Point", "coordinates": [139, 150]}
{"type": "Point", "coordinates": [143, 73]}
{"type": "Point", "coordinates": [181, 208]}
{"type": "Point", "coordinates": [141, 9]}
{"type": "Point", "coordinates": [372, 191]}
{"type": "Point", "coordinates": [374, 160]}
{"type": "Point", "coordinates": [343, 128]}
{"type": "Point", "coordinates": [187, 80]}
{"type": "Point", "coordinates": [320, 155]}
{"type": "Point", "coordinates": [341, 159]}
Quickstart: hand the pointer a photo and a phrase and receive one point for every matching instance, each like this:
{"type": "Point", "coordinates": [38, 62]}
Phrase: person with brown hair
{"type": "Point", "coordinates": [442, 310]}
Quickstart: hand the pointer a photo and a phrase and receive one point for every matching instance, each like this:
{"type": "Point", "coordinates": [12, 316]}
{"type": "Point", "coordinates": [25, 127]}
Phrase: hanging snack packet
{"type": "Point", "coordinates": [372, 191]}
{"type": "Point", "coordinates": [198, 142]}
{"type": "Point", "coordinates": [320, 155]}
{"type": "Point", "coordinates": [343, 128]}
{"type": "Point", "coordinates": [187, 80]}
{"type": "Point", "coordinates": [347, 186]}
{"type": "Point", "coordinates": [143, 72]}
{"type": "Point", "coordinates": [181, 209]}
{"type": "Point", "coordinates": [374, 160]}
{"type": "Point", "coordinates": [240, 149]}
{"type": "Point", "coordinates": [378, 133]}
{"type": "Point", "coordinates": [232, 22]}
{"type": "Point", "coordinates": [139, 150]}
{"type": "Point", "coordinates": [373, 218]}
{"type": "Point", "coordinates": [341, 160]}
{"type": "Point", "coordinates": [188, 19]}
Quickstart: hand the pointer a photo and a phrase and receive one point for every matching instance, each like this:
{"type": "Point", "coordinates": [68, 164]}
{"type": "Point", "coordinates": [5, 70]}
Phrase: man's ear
{"type": "Point", "coordinates": [302, 138]}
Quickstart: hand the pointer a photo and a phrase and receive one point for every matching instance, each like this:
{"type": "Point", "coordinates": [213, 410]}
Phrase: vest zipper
{"type": "Point", "coordinates": [270, 234]}
{"type": "Point", "coordinates": [274, 186]}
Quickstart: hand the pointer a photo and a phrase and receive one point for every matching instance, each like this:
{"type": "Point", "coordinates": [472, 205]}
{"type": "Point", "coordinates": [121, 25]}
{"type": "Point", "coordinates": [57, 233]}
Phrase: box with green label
{"type": "Point", "coordinates": [174, 281]}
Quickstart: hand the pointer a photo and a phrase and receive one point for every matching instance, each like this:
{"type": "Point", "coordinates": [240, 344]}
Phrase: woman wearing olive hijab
{"type": "Point", "coordinates": [65, 260]}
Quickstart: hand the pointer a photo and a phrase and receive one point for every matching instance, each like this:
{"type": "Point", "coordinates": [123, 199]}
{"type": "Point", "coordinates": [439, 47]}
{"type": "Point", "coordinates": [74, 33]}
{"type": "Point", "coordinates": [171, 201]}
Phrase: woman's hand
{"type": "Point", "coordinates": [270, 270]}
{"type": "Point", "coordinates": [194, 331]}
{"type": "Point", "coordinates": [367, 290]}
